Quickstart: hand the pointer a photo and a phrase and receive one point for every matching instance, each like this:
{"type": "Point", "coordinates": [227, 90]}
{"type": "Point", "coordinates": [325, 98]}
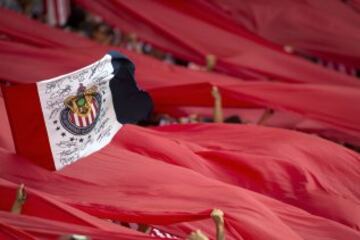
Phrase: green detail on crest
{"type": "Point", "coordinates": [80, 101]}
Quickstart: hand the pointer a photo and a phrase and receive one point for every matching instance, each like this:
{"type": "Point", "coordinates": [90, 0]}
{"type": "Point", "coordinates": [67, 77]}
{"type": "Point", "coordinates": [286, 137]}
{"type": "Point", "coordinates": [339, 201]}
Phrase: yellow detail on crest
{"type": "Point", "coordinates": [81, 103]}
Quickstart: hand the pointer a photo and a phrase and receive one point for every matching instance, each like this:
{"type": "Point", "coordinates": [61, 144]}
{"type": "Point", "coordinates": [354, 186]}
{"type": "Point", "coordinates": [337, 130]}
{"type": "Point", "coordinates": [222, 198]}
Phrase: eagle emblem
{"type": "Point", "coordinates": [81, 111]}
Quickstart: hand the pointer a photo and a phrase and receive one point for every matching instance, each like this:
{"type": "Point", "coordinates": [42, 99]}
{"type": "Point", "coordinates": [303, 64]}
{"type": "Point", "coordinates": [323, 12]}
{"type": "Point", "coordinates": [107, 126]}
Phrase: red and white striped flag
{"type": "Point", "coordinates": [57, 12]}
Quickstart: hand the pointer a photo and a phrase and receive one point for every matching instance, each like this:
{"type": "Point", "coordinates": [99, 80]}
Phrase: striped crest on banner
{"type": "Point", "coordinates": [86, 121]}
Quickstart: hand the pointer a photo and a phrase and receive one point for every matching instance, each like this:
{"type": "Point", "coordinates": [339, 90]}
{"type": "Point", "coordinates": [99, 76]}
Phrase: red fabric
{"type": "Point", "coordinates": [321, 103]}
{"type": "Point", "coordinates": [271, 183]}
{"type": "Point", "coordinates": [333, 106]}
{"type": "Point", "coordinates": [257, 159]}
{"type": "Point", "coordinates": [27, 123]}
{"type": "Point", "coordinates": [237, 55]}
{"type": "Point", "coordinates": [38, 228]}
{"type": "Point", "coordinates": [6, 141]}
{"type": "Point", "coordinates": [10, 232]}
{"type": "Point", "coordinates": [177, 174]}
{"type": "Point", "coordinates": [19, 28]}
{"type": "Point", "coordinates": [329, 105]}
{"type": "Point", "coordinates": [328, 29]}
{"type": "Point", "coordinates": [44, 206]}
{"type": "Point", "coordinates": [355, 5]}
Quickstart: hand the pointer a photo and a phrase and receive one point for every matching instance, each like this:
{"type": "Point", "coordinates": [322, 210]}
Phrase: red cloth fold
{"type": "Point", "coordinates": [268, 188]}
{"type": "Point", "coordinates": [271, 183]}
{"type": "Point", "coordinates": [327, 29]}
{"type": "Point", "coordinates": [238, 54]}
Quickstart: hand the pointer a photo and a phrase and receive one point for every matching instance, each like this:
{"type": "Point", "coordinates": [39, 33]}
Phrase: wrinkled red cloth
{"type": "Point", "coordinates": [330, 105]}
{"type": "Point", "coordinates": [271, 183]}
{"type": "Point", "coordinates": [162, 23]}
{"type": "Point", "coordinates": [304, 188]}
{"type": "Point", "coordinates": [328, 29]}
{"type": "Point", "coordinates": [334, 111]}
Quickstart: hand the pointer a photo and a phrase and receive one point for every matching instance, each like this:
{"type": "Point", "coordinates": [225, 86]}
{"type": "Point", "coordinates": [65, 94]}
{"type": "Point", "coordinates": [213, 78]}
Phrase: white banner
{"type": "Point", "coordinates": [78, 112]}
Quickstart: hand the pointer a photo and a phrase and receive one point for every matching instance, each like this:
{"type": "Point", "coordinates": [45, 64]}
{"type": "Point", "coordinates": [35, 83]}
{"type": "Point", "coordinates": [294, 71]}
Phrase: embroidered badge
{"type": "Point", "coordinates": [81, 112]}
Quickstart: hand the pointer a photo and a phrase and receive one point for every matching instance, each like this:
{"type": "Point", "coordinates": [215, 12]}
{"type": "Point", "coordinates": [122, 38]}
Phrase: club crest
{"type": "Point", "coordinates": [81, 112]}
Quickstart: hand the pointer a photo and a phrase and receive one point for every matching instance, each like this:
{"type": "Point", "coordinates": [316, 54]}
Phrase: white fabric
{"type": "Point", "coordinates": [67, 147]}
